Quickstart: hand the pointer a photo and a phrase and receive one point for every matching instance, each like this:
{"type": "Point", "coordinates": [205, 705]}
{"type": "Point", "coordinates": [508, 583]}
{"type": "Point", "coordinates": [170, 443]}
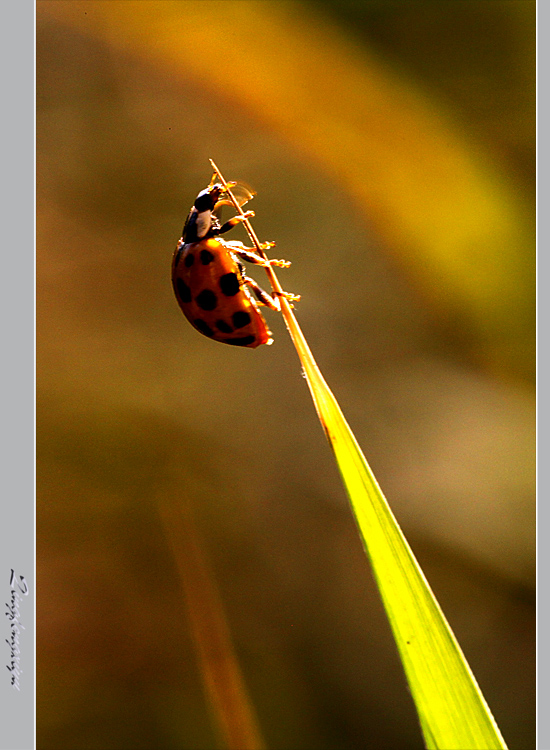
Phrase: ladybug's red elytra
{"type": "Point", "coordinates": [210, 283]}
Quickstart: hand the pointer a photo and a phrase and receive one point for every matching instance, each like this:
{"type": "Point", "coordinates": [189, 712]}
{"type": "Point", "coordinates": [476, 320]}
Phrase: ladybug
{"type": "Point", "coordinates": [211, 284]}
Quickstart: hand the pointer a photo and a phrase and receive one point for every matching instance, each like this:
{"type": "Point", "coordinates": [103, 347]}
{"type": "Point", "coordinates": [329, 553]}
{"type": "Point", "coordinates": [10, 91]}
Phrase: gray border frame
{"type": "Point", "coordinates": [543, 513]}
{"type": "Point", "coordinates": [17, 630]}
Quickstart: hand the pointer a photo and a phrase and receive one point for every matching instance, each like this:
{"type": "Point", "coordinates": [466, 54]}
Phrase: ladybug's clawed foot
{"type": "Point", "coordinates": [273, 261]}
{"type": "Point", "coordinates": [278, 263]}
{"type": "Point", "coordinates": [290, 298]}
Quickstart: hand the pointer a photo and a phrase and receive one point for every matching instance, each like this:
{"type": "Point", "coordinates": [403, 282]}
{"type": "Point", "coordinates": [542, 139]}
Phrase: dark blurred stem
{"type": "Point", "coordinates": [224, 685]}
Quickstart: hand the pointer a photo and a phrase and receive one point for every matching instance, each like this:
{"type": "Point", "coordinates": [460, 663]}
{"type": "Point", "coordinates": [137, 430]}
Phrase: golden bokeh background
{"type": "Point", "coordinates": [391, 146]}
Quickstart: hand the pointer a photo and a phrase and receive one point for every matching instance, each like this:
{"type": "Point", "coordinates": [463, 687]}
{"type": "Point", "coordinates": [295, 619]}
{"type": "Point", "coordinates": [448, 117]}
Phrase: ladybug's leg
{"type": "Point", "coordinates": [266, 299]}
{"type": "Point", "coordinates": [248, 254]}
{"type": "Point", "coordinates": [262, 296]}
{"type": "Point", "coordinates": [234, 221]}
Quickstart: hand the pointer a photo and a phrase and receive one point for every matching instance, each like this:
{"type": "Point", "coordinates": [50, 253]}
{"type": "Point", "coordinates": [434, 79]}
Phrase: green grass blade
{"type": "Point", "coordinates": [452, 710]}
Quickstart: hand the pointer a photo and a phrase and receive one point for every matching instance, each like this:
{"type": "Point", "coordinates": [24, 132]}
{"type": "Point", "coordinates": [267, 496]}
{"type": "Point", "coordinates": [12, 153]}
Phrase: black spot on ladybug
{"type": "Point", "coordinates": [229, 284]}
{"type": "Point", "coordinates": [224, 327]}
{"type": "Point", "coordinates": [206, 300]}
{"type": "Point", "coordinates": [241, 319]}
{"type": "Point", "coordinates": [206, 257]}
{"type": "Point", "coordinates": [203, 327]}
{"type": "Point", "coordinates": [184, 293]}
{"type": "Point", "coordinates": [178, 256]}
{"type": "Point", "coordinates": [189, 260]}
{"type": "Point", "coordinates": [243, 341]}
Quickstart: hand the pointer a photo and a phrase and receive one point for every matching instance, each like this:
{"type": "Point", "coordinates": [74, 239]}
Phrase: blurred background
{"type": "Point", "coordinates": [392, 149]}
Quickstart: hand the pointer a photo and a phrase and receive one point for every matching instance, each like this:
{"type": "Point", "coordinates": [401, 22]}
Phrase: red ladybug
{"type": "Point", "coordinates": [210, 283]}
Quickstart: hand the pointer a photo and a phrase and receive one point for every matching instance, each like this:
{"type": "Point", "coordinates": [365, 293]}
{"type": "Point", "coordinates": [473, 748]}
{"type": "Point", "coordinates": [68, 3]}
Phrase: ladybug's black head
{"type": "Point", "coordinates": [207, 198]}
